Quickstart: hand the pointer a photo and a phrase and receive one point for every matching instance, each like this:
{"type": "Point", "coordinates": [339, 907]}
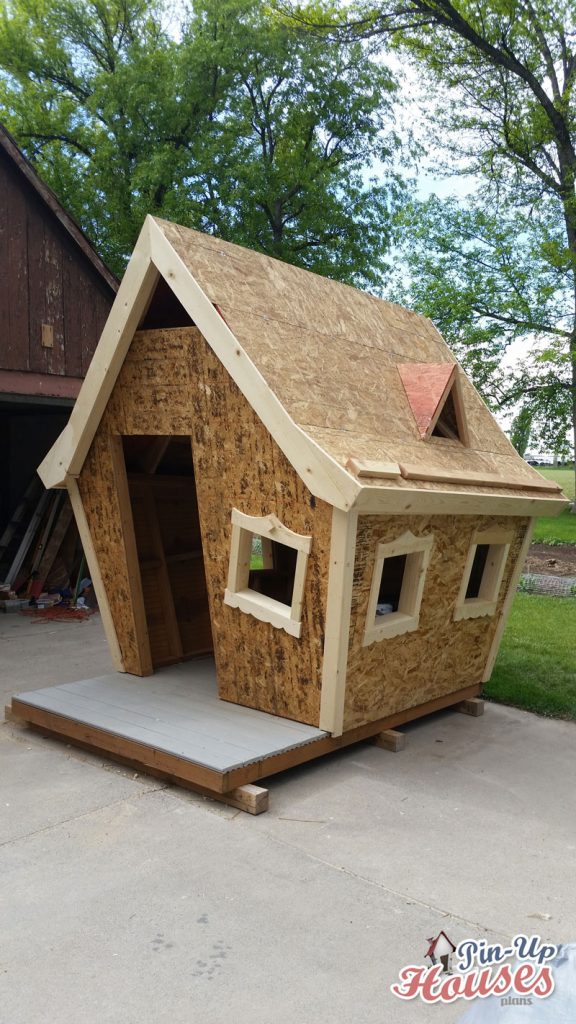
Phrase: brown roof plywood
{"type": "Point", "coordinates": [339, 360]}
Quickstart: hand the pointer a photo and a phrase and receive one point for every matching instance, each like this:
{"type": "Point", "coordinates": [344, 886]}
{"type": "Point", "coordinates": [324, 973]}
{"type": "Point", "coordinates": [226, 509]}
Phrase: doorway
{"type": "Point", "coordinates": [162, 490]}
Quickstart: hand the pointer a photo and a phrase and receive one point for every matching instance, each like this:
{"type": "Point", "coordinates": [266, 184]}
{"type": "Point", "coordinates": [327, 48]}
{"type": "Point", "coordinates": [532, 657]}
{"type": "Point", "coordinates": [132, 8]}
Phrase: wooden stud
{"type": "Point", "coordinates": [472, 706]}
{"type": "Point", "coordinates": [390, 739]}
{"type": "Point", "coordinates": [55, 542]}
{"type": "Point", "coordinates": [171, 619]}
{"type": "Point", "coordinates": [27, 539]}
{"type": "Point", "coordinates": [340, 582]}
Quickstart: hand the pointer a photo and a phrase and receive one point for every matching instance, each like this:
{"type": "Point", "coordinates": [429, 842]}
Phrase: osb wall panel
{"type": "Point", "coordinates": [238, 464]}
{"type": "Point", "coordinates": [440, 657]}
{"type": "Point", "coordinates": [151, 396]}
{"type": "Point", "coordinates": [171, 383]}
{"type": "Point", "coordinates": [98, 493]}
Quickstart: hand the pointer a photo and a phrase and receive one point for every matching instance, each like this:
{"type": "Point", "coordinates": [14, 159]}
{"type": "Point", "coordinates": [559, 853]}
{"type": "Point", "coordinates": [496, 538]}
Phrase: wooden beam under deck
{"type": "Point", "coordinates": [195, 776]}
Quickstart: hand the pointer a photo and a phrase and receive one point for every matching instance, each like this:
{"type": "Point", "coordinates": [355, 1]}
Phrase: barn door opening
{"type": "Point", "coordinates": [162, 493]}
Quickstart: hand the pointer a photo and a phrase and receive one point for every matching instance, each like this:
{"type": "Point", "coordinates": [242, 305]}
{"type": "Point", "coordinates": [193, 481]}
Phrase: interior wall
{"type": "Point", "coordinates": [441, 656]}
{"type": "Point", "coordinates": [167, 529]}
{"type": "Point", "coordinates": [172, 383]}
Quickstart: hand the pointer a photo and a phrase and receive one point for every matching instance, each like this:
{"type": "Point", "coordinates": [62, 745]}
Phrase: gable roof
{"type": "Point", "coordinates": [318, 362]}
{"type": "Point", "coordinates": [10, 148]}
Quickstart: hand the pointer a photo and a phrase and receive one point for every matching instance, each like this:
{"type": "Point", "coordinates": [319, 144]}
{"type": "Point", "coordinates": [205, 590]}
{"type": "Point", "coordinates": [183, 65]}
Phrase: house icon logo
{"type": "Point", "coordinates": [440, 950]}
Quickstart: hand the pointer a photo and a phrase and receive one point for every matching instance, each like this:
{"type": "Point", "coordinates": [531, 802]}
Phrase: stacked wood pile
{"type": "Point", "coordinates": [41, 559]}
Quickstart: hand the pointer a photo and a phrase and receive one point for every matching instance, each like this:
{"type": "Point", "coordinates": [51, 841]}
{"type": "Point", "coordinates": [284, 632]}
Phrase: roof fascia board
{"type": "Point", "coordinates": [323, 476]}
{"type": "Point", "coordinates": [67, 455]}
{"type": "Point", "coordinates": [421, 501]}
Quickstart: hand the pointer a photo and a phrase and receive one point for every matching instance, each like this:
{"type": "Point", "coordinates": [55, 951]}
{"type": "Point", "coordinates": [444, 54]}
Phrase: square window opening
{"type": "Point", "coordinates": [483, 575]}
{"type": "Point", "coordinates": [272, 569]}
{"type": "Point", "coordinates": [390, 590]}
{"type": "Point", "coordinates": [477, 571]}
{"type": "Point", "coordinates": [397, 587]}
{"type": "Point", "coordinates": [267, 570]}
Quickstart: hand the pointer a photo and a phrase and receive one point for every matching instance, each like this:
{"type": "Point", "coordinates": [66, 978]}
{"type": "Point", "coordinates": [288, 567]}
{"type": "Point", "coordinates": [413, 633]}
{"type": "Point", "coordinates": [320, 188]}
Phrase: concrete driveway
{"type": "Point", "coordinates": [126, 901]}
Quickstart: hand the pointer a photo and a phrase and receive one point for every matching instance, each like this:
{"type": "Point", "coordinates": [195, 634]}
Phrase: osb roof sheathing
{"type": "Point", "coordinates": [331, 354]}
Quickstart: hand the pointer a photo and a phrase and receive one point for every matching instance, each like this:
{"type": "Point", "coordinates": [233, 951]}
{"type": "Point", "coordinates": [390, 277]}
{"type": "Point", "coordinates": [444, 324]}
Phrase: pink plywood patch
{"type": "Point", "coordinates": [426, 385]}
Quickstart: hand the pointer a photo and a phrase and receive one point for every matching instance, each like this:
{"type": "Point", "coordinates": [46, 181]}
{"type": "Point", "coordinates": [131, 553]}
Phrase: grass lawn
{"type": "Point", "coordinates": [536, 666]}
{"type": "Point", "coordinates": [557, 529]}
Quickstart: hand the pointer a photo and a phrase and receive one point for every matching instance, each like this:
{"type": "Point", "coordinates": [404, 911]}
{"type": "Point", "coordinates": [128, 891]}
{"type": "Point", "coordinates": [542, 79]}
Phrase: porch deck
{"type": "Point", "coordinates": [175, 712]}
{"type": "Point", "coordinates": [173, 725]}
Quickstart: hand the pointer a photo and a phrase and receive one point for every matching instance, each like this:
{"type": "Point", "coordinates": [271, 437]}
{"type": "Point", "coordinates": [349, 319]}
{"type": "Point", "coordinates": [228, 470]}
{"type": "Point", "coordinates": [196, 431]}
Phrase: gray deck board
{"type": "Point", "coordinates": [177, 711]}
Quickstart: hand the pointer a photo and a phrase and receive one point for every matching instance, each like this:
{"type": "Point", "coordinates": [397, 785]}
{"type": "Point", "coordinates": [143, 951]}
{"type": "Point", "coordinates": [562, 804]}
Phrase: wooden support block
{"type": "Point", "coordinates": [473, 706]}
{"type": "Point", "coordinates": [391, 739]}
{"type": "Point", "coordinates": [253, 799]}
{"type": "Point", "coordinates": [11, 716]}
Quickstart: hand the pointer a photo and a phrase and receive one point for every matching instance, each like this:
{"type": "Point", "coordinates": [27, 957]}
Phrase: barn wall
{"type": "Point", "coordinates": [44, 278]}
{"type": "Point", "coordinates": [171, 383]}
{"type": "Point", "coordinates": [441, 656]}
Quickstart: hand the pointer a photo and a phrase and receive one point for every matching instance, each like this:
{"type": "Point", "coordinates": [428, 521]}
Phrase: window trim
{"type": "Point", "coordinates": [239, 595]}
{"type": "Point", "coordinates": [491, 582]}
{"type": "Point", "coordinates": [407, 618]}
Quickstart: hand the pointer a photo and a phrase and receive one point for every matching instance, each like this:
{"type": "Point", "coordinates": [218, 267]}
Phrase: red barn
{"type": "Point", "coordinates": [55, 295]}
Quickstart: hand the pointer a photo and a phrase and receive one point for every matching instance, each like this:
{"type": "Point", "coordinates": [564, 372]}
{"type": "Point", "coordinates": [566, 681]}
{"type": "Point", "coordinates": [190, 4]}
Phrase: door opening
{"type": "Point", "coordinates": [162, 491]}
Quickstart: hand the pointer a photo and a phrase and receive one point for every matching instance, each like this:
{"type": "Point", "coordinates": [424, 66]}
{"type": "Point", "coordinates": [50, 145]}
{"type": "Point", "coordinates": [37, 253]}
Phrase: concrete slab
{"type": "Point", "coordinates": [125, 901]}
{"type": "Point", "coordinates": [36, 652]}
{"type": "Point", "coordinates": [155, 910]}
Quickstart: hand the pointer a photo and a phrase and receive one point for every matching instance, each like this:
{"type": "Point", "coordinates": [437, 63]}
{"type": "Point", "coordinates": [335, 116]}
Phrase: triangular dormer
{"type": "Point", "coordinates": [433, 391]}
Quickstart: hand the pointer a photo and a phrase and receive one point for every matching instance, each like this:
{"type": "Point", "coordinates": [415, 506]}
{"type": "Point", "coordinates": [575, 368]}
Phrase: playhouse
{"type": "Point", "coordinates": [302, 523]}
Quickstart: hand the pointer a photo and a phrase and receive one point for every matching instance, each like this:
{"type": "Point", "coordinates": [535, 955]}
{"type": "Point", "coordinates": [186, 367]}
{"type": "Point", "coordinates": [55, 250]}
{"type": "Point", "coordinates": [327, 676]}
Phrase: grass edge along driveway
{"type": "Point", "coordinates": [536, 665]}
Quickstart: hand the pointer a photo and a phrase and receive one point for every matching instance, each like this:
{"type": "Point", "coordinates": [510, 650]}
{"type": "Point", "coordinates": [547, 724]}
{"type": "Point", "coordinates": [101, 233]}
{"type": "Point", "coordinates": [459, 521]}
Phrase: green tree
{"type": "Point", "coordinates": [520, 430]}
{"type": "Point", "coordinates": [487, 280]}
{"type": "Point", "coordinates": [499, 76]}
{"type": "Point", "coordinates": [230, 121]}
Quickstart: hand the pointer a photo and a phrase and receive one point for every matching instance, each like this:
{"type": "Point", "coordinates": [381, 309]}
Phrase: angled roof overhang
{"type": "Point", "coordinates": [364, 489]}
